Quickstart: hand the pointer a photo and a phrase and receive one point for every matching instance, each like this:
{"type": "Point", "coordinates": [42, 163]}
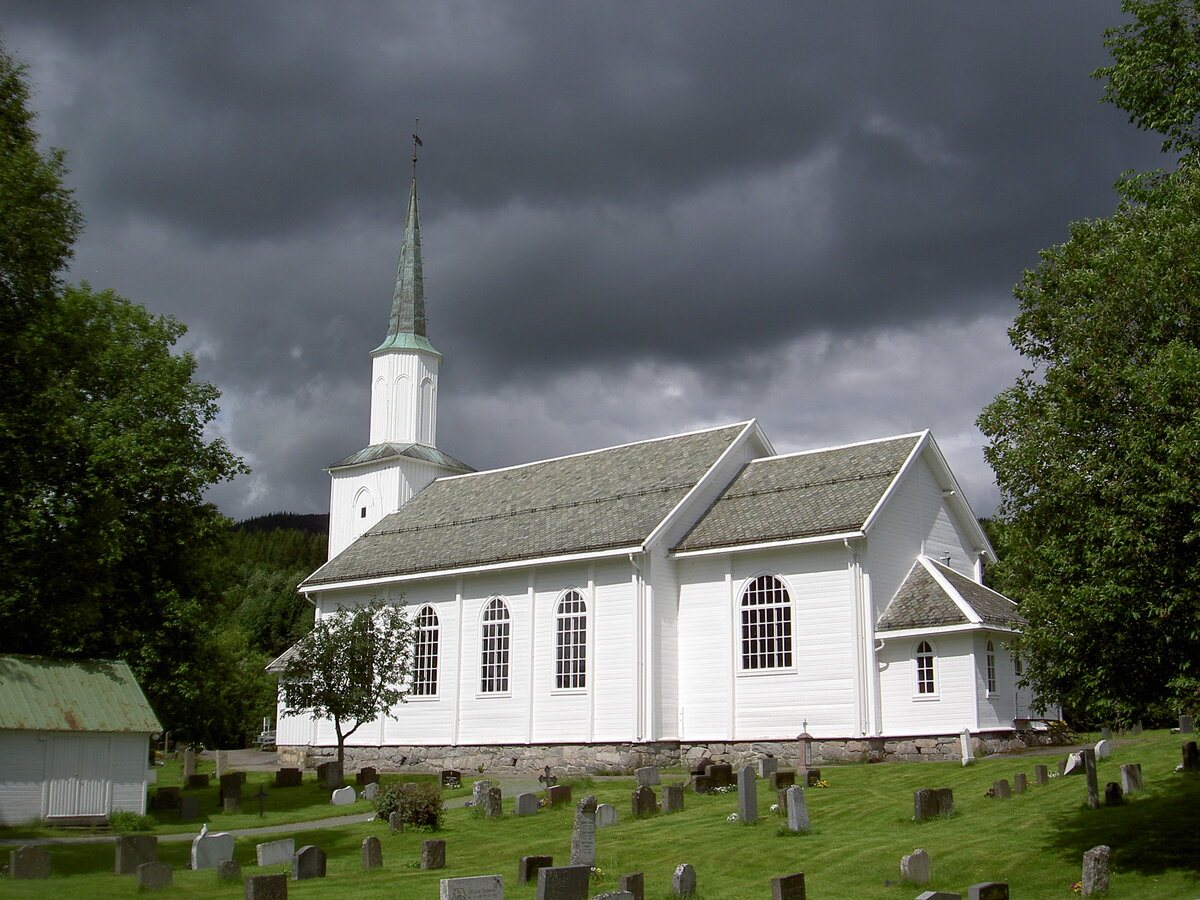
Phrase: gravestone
{"type": "Point", "coordinates": [1019, 783]}
{"type": "Point", "coordinates": [275, 853]}
{"type": "Point", "coordinates": [154, 876]}
{"type": "Point", "coordinates": [925, 804]}
{"type": "Point", "coordinates": [1187, 724]}
{"type": "Point", "coordinates": [614, 895]}
{"type": "Point", "coordinates": [721, 774]}
{"type": "Point", "coordinates": [563, 882]}
{"type": "Point", "coordinates": [1074, 765]}
{"type": "Point", "coordinates": [1105, 734]}
{"type": "Point", "coordinates": [1191, 758]}
{"type": "Point", "coordinates": [797, 810]}
{"type": "Point", "coordinates": [450, 776]}
{"type": "Point", "coordinates": [788, 887]}
{"type": "Point", "coordinates": [221, 763]}
{"type": "Point", "coordinates": [606, 815]}
{"type": "Point", "coordinates": [197, 781]}
{"type": "Point", "coordinates": [583, 833]}
{"type": "Point", "coordinates": [966, 748]}
{"type": "Point", "coordinates": [558, 794]}
{"type": "Point", "coordinates": [1089, 766]}
{"type": "Point", "coordinates": [1095, 870]}
{"type": "Point", "coordinates": [1062, 765]}
{"type": "Point", "coordinates": [747, 795]}
{"type": "Point", "coordinates": [289, 778]}
{"type": "Point", "coordinates": [811, 777]}
{"type": "Point", "coordinates": [230, 785]}
{"type": "Point", "coordinates": [1000, 789]}
{"type": "Point", "coordinates": [231, 805]}
{"type": "Point", "coordinates": [229, 870]}
{"type": "Point", "coordinates": [767, 766]}
{"type": "Point", "coordinates": [132, 850]}
{"type": "Point", "coordinates": [633, 883]}
{"type": "Point", "coordinates": [189, 763]}
{"type": "Point", "coordinates": [546, 778]}
{"type": "Point", "coordinates": [526, 804]}
{"type": "Point", "coordinates": [988, 890]}
{"type": "Point", "coordinates": [701, 766]}
{"type": "Point", "coordinates": [1041, 775]}
{"type": "Point", "coordinates": [370, 790]}
{"type": "Point", "coordinates": [1113, 794]}
{"type": "Point", "coordinates": [781, 778]}
{"type": "Point", "coordinates": [702, 784]}
{"type": "Point", "coordinates": [1103, 749]}
{"type": "Point", "coordinates": [647, 775]}
{"type": "Point", "coordinates": [945, 801]}
{"type": "Point", "coordinates": [329, 774]}
{"type": "Point", "coordinates": [1131, 777]}
{"type": "Point", "coordinates": [209, 849]}
{"type": "Point", "coordinates": [433, 854]}
{"type": "Point", "coordinates": [372, 853]}
{"type": "Point", "coordinates": [493, 803]}
{"type": "Point", "coordinates": [683, 882]}
{"type": "Point", "coordinates": [672, 798]}
{"type": "Point", "coordinates": [266, 887]}
{"type": "Point", "coordinates": [938, 895]}
{"type": "Point", "coordinates": [308, 862]}
{"type": "Point", "coordinates": [395, 821]}
{"type": "Point", "coordinates": [916, 867]}
{"type": "Point", "coordinates": [476, 887]}
{"type": "Point", "coordinates": [166, 798]}
{"type": "Point", "coordinates": [189, 807]}
{"type": "Point", "coordinates": [479, 791]}
{"type": "Point", "coordinates": [527, 867]}
{"type": "Point", "coordinates": [28, 861]}
{"type": "Point", "coordinates": [367, 775]}
{"type": "Point", "coordinates": [343, 796]}
{"type": "Point", "coordinates": [644, 802]}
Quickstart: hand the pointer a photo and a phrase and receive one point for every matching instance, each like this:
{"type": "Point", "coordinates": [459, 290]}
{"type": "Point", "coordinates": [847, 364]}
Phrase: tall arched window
{"type": "Point", "coordinates": [766, 625]}
{"type": "Point", "coordinates": [425, 654]}
{"type": "Point", "coordinates": [425, 423]}
{"type": "Point", "coordinates": [991, 668]}
{"type": "Point", "coordinates": [570, 643]}
{"type": "Point", "coordinates": [925, 682]}
{"type": "Point", "coordinates": [494, 648]}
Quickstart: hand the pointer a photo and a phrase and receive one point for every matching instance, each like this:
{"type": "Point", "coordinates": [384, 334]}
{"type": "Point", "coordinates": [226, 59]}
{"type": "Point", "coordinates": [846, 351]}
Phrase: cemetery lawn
{"type": "Point", "coordinates": [862, 826]}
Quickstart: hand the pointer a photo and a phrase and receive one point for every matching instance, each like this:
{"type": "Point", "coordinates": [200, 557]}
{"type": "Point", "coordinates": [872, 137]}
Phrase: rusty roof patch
{"type": "Point", "coordinates": [41, 694]}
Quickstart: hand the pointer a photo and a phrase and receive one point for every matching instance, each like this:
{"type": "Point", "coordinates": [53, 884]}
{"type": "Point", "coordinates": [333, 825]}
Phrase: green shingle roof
{"type": "Point", "coordinates": [922, 601]}
{"type": "Point", "coordinates": [40, 694]}
{"type": "Point", "coordinates": [387, 450]}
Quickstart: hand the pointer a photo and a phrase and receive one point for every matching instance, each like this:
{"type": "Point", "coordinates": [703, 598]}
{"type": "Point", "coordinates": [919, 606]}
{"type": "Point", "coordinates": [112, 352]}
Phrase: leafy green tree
{"type": "Point", "coordinates": [1096, 451]}
{"type": "Point", "coordinates": [353, 667]}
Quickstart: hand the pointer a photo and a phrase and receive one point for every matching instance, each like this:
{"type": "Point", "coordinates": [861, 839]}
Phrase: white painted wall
{"type": "Point", "coordinates": [951, 708]}
{"type": "Point", "coordinates": [381, 487]}
{"type": "Point", "coordinates": [404, 397]}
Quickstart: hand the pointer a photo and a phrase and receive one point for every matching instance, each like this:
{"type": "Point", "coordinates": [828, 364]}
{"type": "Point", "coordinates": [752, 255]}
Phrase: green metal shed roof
{"type": "Point", "coordinates": [40, 694]}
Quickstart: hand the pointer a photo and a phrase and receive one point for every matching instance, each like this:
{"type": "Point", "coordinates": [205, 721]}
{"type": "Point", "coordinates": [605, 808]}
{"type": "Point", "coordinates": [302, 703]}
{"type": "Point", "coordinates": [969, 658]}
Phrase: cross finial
{"type": "Point", "coordinates": [416, 143]}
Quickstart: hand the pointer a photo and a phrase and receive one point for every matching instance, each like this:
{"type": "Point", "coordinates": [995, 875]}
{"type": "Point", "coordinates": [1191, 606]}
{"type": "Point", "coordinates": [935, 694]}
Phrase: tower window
{"type": "Point", "coordinates": [362, 513]}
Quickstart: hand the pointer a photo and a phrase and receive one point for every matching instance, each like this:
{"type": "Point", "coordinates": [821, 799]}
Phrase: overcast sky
{"type": "Point", "coordinates": [638, 218]}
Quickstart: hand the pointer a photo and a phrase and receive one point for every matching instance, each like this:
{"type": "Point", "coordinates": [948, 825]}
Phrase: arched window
{"type": "Point", "coordinates": [991, 668]}
{"type": "Point", "coordinates": [570, 644]}
{"type": "Point", "coordinates": [766, 625]}
{"type": "Point", "coordinates": [364, 508]}
{"type": "Point", "coordinates": [925, 682]}
{"type": "Point", "coordinates": [425, 423]}
{"type": "Point", "coordinates": [494, 647]}
{"type": "Point", "coordinates": [425, 654]}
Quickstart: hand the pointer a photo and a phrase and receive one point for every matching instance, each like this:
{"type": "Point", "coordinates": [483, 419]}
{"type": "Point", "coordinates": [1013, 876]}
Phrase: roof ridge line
{"type": "Point", "coordinates": [758, 492]}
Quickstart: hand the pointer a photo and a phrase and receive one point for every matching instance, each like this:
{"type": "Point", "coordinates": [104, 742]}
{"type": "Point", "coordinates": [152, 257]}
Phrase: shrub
{"type": "Point", "coordinates": [419, 803]}
{"type": "Point", "coordinates": [123, 820]}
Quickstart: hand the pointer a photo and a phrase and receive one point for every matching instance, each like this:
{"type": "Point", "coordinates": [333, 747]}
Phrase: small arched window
{"type": "Point", "coordinates": [766, 625]}
{"type": "Point", "coordinates": [570, 643]}
{"type": "Point", "coordinates": [991, 668]}
{"type": "Point", "coordinates": [925, 680]}
{"type": "Point", "coordinates": [494, 648]}
{"type": "Point", "coordinates": [425, 653]}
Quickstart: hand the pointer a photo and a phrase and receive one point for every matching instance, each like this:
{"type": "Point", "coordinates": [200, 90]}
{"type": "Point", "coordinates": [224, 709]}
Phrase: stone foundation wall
{"type": "Point", "coordinates": [622, 759]}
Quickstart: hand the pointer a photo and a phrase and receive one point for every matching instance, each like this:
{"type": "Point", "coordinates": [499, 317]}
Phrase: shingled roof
{"type": "Point", "coordinates": [923, 601]}
{"type": "Point", "coordinates": [810, 494]}
{"type": "Point", "coordinates": [606, 499]}
{"type": "Point", "coordinates": [386, 450]}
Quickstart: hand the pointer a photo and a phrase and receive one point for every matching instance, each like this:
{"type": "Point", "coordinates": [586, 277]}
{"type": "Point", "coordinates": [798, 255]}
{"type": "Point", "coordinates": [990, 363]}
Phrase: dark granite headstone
{"type": "Point", "coordinates": [558, 794]}
{"type": "Point", "coordinates": [644, 801]}
{"type": "Point", "coordinates": [132, 850]}
{"type": "Point", "coordinates": [563, 882]}
{"type": "Point", "coordinates": [925, 804]}
{"type": "Point", "coordinates": [289, 778]}
{"type": "Point", "coordinates": [721, 774]}
{"type": "Point", "coordinates": [197, 781]}
{"type": "Point", "coordinates": [945, 801]}
{"type": "Point", "coordinates": [154, 876]}
{"type": "Point", "coordinates": [229, 870]}
{"type": "Point", "coordinates": [28, 861]}
{"type": "Point", "coordinates": [329, 774]}
{"type": "Point", "coordinates": [701, 766]}
{"type": "Point", "coordinates": [230, 786]}
{"type": "Point", "coordinates": [988, 890]}
{"type": "Point", "coordinates": [449, 776]}
{"type": "Point", "coordinates": [166, 798]}
{"type": "Point", "coordinates": [266, 887]}
{"type": "Point", "coordinates": [788, 887]}
{"type": "Point", "coordinates": [1191, 757]}
{"type": "Point", "coordinates": [372, 853]}
{"type": "Point", "coordinates": [634, 883]}
{"type": "Point", "coordinates": [812, 777]}
{"type": "Point", "coordinates": [232, 805]}
{"type": "Point", "coordinates": [189, 807]}
{"type": "Point", "coordinates": [308, 862]}
{"type": "Point", "coordinates": [367, 775]}
{"type": "Point", "coordinates": [1019, 783]}
{"type": "Point", "coordinates": [1040, 775]}
{"type": "Point", "coordinates": [702, 784]}
{"type": "Point", "coordinates": [1112, 794]}
{"type": "Point", "coordinates": [433, 854]}
{"type": "Point", "coordinates": [781, 778]}
{"type": "Point", "coordinates": [493, 803]}
{"type": "Point", "coordinates": [527, 868]}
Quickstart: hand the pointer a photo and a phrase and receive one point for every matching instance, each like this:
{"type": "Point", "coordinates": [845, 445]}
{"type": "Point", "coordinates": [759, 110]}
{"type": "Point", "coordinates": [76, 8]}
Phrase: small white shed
{"type": "Point", "coordinates": [74, 740]}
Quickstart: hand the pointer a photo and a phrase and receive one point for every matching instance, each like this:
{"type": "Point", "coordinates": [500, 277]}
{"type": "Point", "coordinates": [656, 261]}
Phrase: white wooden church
{"type": "Point", "coordinates": [690, 595]}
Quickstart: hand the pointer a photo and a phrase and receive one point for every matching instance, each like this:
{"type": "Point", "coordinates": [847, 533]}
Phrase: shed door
{"type": "Point", "coordinates": [78, 776]}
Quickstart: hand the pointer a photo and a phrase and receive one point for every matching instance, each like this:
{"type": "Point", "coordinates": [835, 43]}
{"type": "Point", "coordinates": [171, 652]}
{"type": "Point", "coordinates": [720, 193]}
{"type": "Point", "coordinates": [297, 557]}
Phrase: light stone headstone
{"type": "Point", "coordinates": [606, 815]}
{"type": "Point", "coordinates": [266, 887]}
{"type": "Point", "coordinates": [615, 895]}
{"type": "Point", "coordinates": [476, 887]}
{"type": "Point", "coordinates": [344, 796]}
{"type": "Point", "coordinates": [938, 895]}
{"type": "Point", "coordinates": [395, 821]}
{"type": "Point", "coordinates": [563, 882]}
{"type": "Point", "coordinates": [788, 887]}
{"type": "Point", "coordinates": [154, 876]}
{"type": "Point", "coordinates": [945, 801]}
{"type": "Point", "coordinates": [647, 775]}
{"type": "Point", "coordinates": [209, 849]}
{"type": "Point", "coordinates": [479, 791]}
{"type": "Point", "coordinates": [1131, 777]}
{"type": "Point", "coordinates": [1095, 870]}
{"type": "Point", "coordinates": [221, 763]}
{"type": "Point", "coordinates": [308, 862]}
{"type": "Point", "coordinates": [966, 748]}
{"type": "Point", "coordinates": [583, 834]}
{"type": "Point", "coordinates": [1074, 764]}
{"type": "Point", "coordinates": [683, 882]}
{"type": "Point", "coordinates": [433, 854]}
{"type": "Point", "coordinates": [189, 763]}
{"type": "Point", "coordinates": [988, 890]}
{"type": "Point", "coordinates": [372, 853]}
{"type": "Point", "coordinates": [132, 850]}
{"type": "Point", "coordinates": [1093, 787]}
{"type": "Point", "coordinates": [275, 853]}
{"type": "Point", "coordinates": [1187, 724]}
{"type": "Point", "coordinates": [526, 804]}
{"type": "Point", "coordinates": [527, 867]}
{"type": "Point", "coordinates": [767, 766]}
{"type": "Point", "coordinates": [229, 870]}
{"type": "Point", "coordinates": [493, 803]}
{"type": "Point", "coordinates": [672, 798]}
{"type": "Point", "coordinates": [747, 795]}
{"type": "Point", "coordinates": [797, 810]}
{"type": "Point", "coordinates": [28, 861]}
{"type": "Point", "coordinates": [917, 867]}
{"type": "Point", "coordinates": [1041, 775]}
{"type": "Point", "coordinates": [1103, 749]}
{"type": "Point", "coordinates": [370, 789]}
{"type": "Point", "coordinates": [1106, 734]}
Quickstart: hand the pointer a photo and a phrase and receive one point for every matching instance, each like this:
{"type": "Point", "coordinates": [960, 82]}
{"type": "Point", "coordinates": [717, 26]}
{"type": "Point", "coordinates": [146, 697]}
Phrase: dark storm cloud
{"type": "Point", "coordinates": [638, 217]}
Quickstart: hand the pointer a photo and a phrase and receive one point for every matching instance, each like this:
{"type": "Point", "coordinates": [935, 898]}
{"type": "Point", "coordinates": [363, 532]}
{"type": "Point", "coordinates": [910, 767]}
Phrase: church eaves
{"type": "Point", "coordinates": [406, 325]}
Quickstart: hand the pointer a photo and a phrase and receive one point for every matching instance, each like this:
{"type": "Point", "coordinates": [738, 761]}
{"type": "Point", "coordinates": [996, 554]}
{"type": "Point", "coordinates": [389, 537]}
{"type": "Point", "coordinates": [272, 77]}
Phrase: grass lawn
{"type": "Point", "coordinates": [862, 826]}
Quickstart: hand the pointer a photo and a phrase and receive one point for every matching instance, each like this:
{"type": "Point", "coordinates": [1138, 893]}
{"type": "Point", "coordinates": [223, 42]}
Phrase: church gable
{"type": "Point", "coordinates": [935, 596]}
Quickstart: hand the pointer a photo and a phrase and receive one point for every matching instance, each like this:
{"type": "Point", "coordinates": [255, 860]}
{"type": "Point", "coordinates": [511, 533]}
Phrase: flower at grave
{"type": "Point", "coordinates": [469, 803]}
{"type": "Point", "coordinates": [1077, 887]}
{"type": "Point", "coordinates": [452, 783]}
{"type": "Point", "coordinates": [543, 803]}
{"type": "Point", "coordinates": [733, 817]}
{"type": "Point", "coordinates": [774, 807]}
{"type": "Point", "coordinates": [597, 873]}
{"type": "Point", "coordinates": [990, 792]}
{"type": "Point", "coordinates": [821, 783]}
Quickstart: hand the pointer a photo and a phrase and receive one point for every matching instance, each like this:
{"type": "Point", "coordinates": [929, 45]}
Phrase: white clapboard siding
{"type": "Point", "coordinates": [997, 709]}
{"type": "Point", "coordinates": [705, 652]}
{"type": "Point", "coordinates": [950, 709]}
{"type": "Point", "coordinates": [560, 715]}
{"type": "Point", "coordinates": [613, 694]}
{"type": "Point", "coordinates": [22, 776]}
{"type": "Point", "coordinates": [664, 655]}
{"type": "Point", "coordinates": [130, 753]}
{"type": "Point", "coordinates": [427, 720]}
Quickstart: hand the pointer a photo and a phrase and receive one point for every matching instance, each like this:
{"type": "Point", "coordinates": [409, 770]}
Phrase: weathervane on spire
{"type": "Point", "coordinates": [416, 143]}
